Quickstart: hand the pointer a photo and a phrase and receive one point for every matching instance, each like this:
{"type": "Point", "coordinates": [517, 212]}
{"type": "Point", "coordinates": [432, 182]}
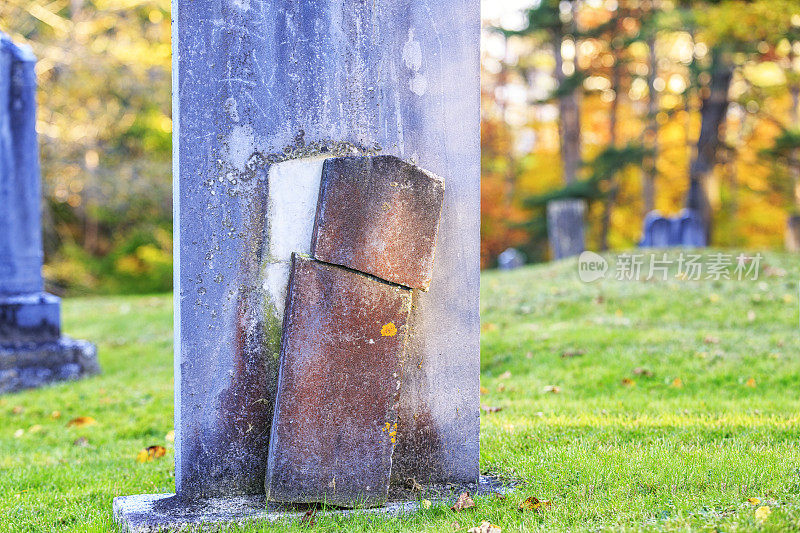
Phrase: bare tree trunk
{"type": "Point", "coordinates": [712, 115]}
{"type": "Point", "coordinates": [611, 198]}
{"type": "Point", "coordinates": [794, 168]}
{"type": "Point", "coordinates": [569, 118]}
{"type": "Point", "coordinates": [651, 134]}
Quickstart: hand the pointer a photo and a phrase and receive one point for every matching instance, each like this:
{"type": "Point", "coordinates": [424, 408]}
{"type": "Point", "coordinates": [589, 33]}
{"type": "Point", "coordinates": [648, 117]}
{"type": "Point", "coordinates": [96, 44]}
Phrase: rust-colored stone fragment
{"type": "Point", "coordinates": [335, 421]}
{"type": "Point", "coordinates": [379, 215]}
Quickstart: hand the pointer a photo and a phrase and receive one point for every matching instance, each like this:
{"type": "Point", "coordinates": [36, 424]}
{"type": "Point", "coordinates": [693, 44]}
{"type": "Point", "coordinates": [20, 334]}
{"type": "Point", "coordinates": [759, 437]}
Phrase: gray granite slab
{"type": "Point", "coordinates": [158, 513]}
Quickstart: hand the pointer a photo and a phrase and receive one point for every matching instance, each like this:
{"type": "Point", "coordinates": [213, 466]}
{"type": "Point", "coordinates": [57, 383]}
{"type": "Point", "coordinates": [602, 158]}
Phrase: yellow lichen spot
{"type": "Point", "coordinates": [389, 330]}
{"type": "Point", "coordinates": [393, 440]}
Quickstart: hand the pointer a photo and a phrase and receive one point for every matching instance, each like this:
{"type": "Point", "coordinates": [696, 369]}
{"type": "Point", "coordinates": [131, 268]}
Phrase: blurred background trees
{"type": "Point", "coordinates": [632, 105]}
{"type": "Point", "coordinates": [105, 139]}
{"type": "Point", "coordinates": [679, 104]}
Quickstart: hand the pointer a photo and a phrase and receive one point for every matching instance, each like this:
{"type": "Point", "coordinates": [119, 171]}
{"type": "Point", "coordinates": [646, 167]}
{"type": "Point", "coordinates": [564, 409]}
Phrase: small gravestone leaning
{"type": "Point", "coordinates": [565, 220]}
{"type": "Point", "coordinates": [32, 350]}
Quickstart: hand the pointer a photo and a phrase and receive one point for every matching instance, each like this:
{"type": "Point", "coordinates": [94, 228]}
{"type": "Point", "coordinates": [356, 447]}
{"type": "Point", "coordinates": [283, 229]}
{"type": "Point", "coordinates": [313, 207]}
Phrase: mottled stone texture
{"type": "Point", "coordinates": [262, 81]}
{"type": "Point", "coordinates": [379, 215]}
{"type": "Point", "coordinates": [565, 220]}
{"type": "Point", "coordinates": [335, 421]}
{"type": "Point", "coordinates": [32, 351]}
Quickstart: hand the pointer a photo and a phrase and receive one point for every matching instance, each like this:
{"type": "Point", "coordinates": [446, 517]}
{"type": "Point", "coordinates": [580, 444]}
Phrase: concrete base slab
{"type": "Point", "coordinates": [30, 365]}
{"type": "Point", "coordinates": [156, 513]}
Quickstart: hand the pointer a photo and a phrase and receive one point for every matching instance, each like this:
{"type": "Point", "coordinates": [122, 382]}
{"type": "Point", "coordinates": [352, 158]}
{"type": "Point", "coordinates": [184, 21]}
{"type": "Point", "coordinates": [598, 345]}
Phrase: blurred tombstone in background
{"type": "Point", "coordinates": [565, 219]}
{"type": "Point", "coordinates": [32, 350]}
{"type": "Point", "coordinates": [657, 231]}
{"type": "Point", "coordinates": [510, 259]}
{"type": "Point", "coordinates": [686, 230]}
{"type": "Point", "coordinates": [793, 233]}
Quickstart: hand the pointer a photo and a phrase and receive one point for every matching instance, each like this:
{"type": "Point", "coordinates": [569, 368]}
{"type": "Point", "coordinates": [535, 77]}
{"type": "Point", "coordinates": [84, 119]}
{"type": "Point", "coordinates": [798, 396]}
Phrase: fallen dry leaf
{"type": "Point", "coordinates": [309, 518]}
{"type": "Point", "coordinates": [763, 512]}
{"type": "Point", "coordinates": [501, 387]}
{"type": "Point", "coordinates": [484, 390]}
{"type": "Point", "coordinates": [150, 453]}
{"type": "Point", "coordinates": [81, 421]}
{"type": "Point", "coordinates": [490, 408]}
{"type": "Point", "coordinates": [464, 501]}
{"type": "Point", "coordinates": [554, 389]}
{"type": "Point", "coordinates": [639, 371]}
{"type": "Point", "coordinates": [170, 436]}
{"type": "Point", "coordinates": [17, 410]}
{"type": "Point", "coordinates": [532, 503]}
{"type": "Point", "coordinates": [485, 527]}
{"type": "Point", "coordinates": [55, 414]}
{"type": "Point", "coordinates": [677, 383]}
{"type": "Point", "coordinates": [753, 501]}
{"type": "Point", "coordinates": [499, 495]}
{"type": "Point", "coordinates": [569, 354]}
{"type": "Point", "coordinates": [505, 375]}
{"type": "Point", "coordinates": [36, 428]}
{"type": "Point", "coordinates": [628, 382]}
{"type": "Point", "coordinates": [750, 383]}
{"type": "Point", "coordinates": [710, 339]}
{"type": "Point", "coordinates": [426, 504]}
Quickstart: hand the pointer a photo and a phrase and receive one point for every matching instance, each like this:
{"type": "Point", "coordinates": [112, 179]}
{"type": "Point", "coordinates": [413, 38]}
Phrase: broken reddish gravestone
{"type": "Point", "coordinates": [380, 216]}
{"type": "Point", "coordinates": [344, 332]}
{"type": "Point", "coordinates": [335, 417]}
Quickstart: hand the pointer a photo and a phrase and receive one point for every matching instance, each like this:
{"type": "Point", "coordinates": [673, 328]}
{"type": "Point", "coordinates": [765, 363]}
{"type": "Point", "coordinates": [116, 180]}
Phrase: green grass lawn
{"type": "Point", "coordinates": [677, 402]}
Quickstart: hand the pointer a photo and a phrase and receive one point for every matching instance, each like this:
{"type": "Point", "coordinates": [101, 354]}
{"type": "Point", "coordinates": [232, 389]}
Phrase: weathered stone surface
{"type": "Point", "coordinates": [335, 421]}
{"type": "Point", "coordinates": [20, 187]}
{"type": "Point", "coordinates": [265, 81]}
{"type": "Point", "coordinates": [32, 317]}
{"type": "Point", "coordinates": [565, 220]}
{"type": "Point", "coordinates": [379, 215]}
{"type": "Point", "coordinates": [35, 364]}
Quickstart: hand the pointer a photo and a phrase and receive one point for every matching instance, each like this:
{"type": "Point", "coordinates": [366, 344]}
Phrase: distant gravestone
{"type": "Point", "coordinates": [686, 229]}
{"type": "Point", "coordinates": [266, 93]}
{"type": "Point", "coordinates": [32, 350]}
{"type": "Point", "coordinates": [510, 259]}
{"type": "Point", "coordinates": [793, 233]}
{"type": "Point", "coordinates": [565, 227]}
{"type": "Point", "coordinates": [658, 231]}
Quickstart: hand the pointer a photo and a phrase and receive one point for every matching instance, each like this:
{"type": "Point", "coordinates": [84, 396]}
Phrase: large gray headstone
{"type": "Point", "coordinates": [259, 82]}
{"type": "Point", "coordinates": [32, 350]}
